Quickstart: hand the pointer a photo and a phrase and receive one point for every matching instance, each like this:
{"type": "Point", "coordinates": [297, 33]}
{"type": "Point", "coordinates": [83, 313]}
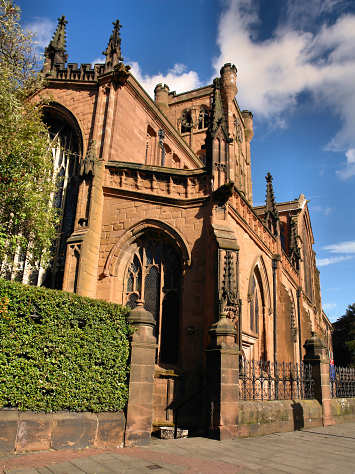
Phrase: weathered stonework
{"type": "Point", "coordinates": [28, 431]}
{"type": "Point", "coordinates": [174, 176]}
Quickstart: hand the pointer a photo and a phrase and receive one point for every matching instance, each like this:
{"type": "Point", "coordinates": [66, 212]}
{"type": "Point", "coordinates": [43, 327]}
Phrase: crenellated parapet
{"type": "Point", "coordinates": [75, 72]}
{"type": "Point", "coordinates": [55, 67]}
{"type": "Point", "coordinates": [153, 182]}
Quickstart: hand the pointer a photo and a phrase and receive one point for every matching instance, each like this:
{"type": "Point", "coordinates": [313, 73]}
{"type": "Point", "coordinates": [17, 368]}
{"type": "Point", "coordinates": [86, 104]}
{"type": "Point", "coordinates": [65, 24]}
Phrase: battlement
{"type": "Point", "coordinates": [74, 72]}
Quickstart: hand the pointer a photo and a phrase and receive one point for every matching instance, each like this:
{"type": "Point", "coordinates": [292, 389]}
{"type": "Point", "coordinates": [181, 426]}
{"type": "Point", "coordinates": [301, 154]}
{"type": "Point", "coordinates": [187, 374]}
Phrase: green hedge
{"type": "Point", "coordinates": [60, 351]}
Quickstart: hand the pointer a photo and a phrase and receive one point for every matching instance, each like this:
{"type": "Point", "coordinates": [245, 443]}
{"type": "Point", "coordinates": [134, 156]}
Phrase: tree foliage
{"type": "Point", "coordinates": [26, 184]}
{"type": "Point", "coordinates": [344, 338]}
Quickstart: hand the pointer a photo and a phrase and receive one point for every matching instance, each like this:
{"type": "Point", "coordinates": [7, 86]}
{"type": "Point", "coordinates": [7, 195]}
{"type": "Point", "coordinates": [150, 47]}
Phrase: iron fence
{"type": "Point", "coordinates": [264, 380]}
{"type": "Point", "coordinates": [342, 381]}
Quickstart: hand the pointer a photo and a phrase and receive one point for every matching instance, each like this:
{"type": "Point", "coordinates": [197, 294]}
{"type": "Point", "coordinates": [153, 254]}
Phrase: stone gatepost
{"type": "Point", "coordinates": [316, 355]}
{"type": "Point", "coordinates": [141, 379]}
{"type": "Point", "coordinates": [223, 379]}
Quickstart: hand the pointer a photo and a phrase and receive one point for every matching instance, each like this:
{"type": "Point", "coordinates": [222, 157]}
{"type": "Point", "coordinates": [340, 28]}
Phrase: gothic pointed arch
{"type": "Point", "coordinates": [66, 145]}
{"type": "Point", "coordinates": [119, 250]}
{"type": "Point", "coordinates": [292, 313]}
{"type": "Point", "coordinates": [260, 267]}
{"type": "Point", "coordinates": [149, 261]}
{"type": "Point", "coordinates": [56, 116]}
{"type": "Point", "coordinates": [258, 306]}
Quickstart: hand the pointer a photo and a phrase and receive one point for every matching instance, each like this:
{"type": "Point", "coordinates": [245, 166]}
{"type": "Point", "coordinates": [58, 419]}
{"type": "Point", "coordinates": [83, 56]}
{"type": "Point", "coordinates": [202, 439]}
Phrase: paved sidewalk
{"type": "Point", "coordinates": [318, 450]}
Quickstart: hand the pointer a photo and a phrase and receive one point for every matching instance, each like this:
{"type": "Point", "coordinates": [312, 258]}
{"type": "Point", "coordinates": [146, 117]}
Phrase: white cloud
{"type": "Point", "coordinates": [271, 73]}
{"type": "Point", "coordinates": [323, 262]}
{"type": "Point", "coordinates": [178, 78]}
{"type": "Point", "coordinates": [341, 247]}
{"type": "Point", "coordinates": [349, 169]}
{"type": "Point", "coordinates": [329, 306]}
{"type": "Point", "coordinates": [323, 210]}
{"type": "Point", "coordinates": [43, 30]}
{"type": "Point", "coordinates": [99, 60]}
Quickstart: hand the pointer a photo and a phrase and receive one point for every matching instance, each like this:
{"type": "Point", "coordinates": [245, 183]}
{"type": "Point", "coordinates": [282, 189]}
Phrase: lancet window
{"type": "Point", "coordinates": [307, 267]}
{"type": "Point", "coordinates": [65, 151]}
{"type": "Point", "coordinates": [150, 146]}
{"type": "Point", "coordinates": [254, 306]}
{"type": "Point", "coordinates": [203, 117]}
{"type": "Point", "coordinates": [154, 275]}
{"type": "Point", "coordinates": [186, 121]}
{"type": "Point", "coordinates": [65, 145]}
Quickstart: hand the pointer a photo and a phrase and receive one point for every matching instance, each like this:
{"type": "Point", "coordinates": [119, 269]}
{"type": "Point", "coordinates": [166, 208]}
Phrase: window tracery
{"type": "Point", "coordinates": [238, 131]}
{"type": "Point", "coordinates": [65, 145]}
{"type": "Point", "coordinates": [154, 275]}
{"type": "Point", "coordinates": [307, 267]}
{"type": "Point", "coordinates": [186, 121]}
{"type": "Point", "coordinates": [203, 118]}
{"type": "Point", "coordinates": [254, 306]}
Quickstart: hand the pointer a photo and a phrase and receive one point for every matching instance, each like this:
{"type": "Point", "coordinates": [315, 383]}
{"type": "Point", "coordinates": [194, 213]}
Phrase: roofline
{"type": "Point", "coordinates": [143, 94]}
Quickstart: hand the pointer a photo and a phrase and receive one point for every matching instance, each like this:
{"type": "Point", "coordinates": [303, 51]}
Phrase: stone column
{"type": "Point", "coordinates": [316, 355]}
{"type": "Point", "coordinates": [222, 379]}
{"type": "Point", "coordinates": [141, 380]}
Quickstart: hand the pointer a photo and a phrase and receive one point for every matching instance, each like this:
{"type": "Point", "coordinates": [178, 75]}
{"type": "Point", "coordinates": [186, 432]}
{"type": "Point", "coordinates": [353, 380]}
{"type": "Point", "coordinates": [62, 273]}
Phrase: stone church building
{"type": "Point", "coordinates": [158, 214]}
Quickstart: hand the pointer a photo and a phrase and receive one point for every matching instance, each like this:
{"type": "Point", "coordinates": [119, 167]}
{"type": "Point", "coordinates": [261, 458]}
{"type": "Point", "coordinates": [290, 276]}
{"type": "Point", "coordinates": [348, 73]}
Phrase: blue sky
{"type": "Point", "coordinates": [296, 73]}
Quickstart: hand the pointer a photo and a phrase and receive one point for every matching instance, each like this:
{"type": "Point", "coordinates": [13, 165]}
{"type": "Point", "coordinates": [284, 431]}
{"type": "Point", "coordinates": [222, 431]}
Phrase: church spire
{"type": "Point", "coordinates": [271, 213]}
{"type": "Point", "coordinates": [113, 50]}
{"type": "Point", "coordinates": [55, 52]}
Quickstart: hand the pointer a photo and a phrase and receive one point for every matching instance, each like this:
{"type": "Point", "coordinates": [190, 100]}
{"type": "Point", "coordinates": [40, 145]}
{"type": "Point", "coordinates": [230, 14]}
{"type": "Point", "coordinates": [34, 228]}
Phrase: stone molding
{"type": "Point", "coordinates": [157, 183]}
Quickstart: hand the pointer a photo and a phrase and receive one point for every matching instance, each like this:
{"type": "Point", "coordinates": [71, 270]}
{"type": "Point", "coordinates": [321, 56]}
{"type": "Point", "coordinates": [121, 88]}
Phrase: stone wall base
{"type": "Point", "coordinates": [342, 409]}
{"type": "Point", "coordinates": [257, 418]}
{"type": "Point", "coordinates": [29, 431]}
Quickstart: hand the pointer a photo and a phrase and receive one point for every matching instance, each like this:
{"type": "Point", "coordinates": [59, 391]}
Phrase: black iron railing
{"type": "Point", "coordinates": [342, 381]}
{"type": "Point", "coordinates": [264, 380]}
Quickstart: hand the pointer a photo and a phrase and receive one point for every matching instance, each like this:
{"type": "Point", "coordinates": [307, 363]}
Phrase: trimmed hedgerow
{"type": "Point", "coordinates": [60, 351]}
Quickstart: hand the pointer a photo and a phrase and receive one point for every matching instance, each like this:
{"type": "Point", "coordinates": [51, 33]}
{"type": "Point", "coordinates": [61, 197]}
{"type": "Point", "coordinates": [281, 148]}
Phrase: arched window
{"type": "Point", "coordinates": [203, 117]}
{"type": "Point", "coordinates": [150, 147]}
{"type": "Point", "coordinates": [176, 163]}
{"type": "Point", "coordinates": [254, 306]}
{"type": "Point", "coordinates": [307, 265]}
{"type": "Point", "coordinates": [65, 143]}
{"type": "Point", "coordinates": [66, 151]}
{"type": "Point", "coordinates": [186, 121]}
{"type": "Point", "coordinates": [154, 275]}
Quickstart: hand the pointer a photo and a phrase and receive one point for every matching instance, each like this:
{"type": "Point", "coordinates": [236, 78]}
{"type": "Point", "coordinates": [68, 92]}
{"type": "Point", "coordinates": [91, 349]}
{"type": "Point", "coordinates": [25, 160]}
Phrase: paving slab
{"type": "Point", "coordinates": [319, 450]}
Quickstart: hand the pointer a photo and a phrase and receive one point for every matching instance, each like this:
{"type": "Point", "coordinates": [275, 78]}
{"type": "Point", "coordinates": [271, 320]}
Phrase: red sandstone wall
{"type": "Point", "coordinates": [129, 133]}
{"type": "Point", "coordinates": [120, 214]}
{"type": "Point", "coordinates": [78, 100]}
{"type": "Point", "coordinates": [258, 418]}
{"type": "Point", "coordinates": [29, 431]}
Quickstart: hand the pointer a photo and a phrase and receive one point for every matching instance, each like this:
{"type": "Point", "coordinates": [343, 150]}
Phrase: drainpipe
{"type": "Point", "coordinates": [299, 292]}
{"type": "Point", "coordinates": [275, 259]}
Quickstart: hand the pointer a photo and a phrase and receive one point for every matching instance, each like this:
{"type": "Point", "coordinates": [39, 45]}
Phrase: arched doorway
{"type": "Point", "coordinates": [153, 274]}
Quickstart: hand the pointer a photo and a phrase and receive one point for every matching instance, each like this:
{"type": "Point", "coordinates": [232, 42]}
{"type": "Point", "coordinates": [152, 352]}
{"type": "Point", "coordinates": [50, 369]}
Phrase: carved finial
{"type": "Point", "coordinates": [271, 214]}
{"type": "Point", "coordinates": [113, 50]}
{"type": "Point", "coordinates": [55, 53]}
